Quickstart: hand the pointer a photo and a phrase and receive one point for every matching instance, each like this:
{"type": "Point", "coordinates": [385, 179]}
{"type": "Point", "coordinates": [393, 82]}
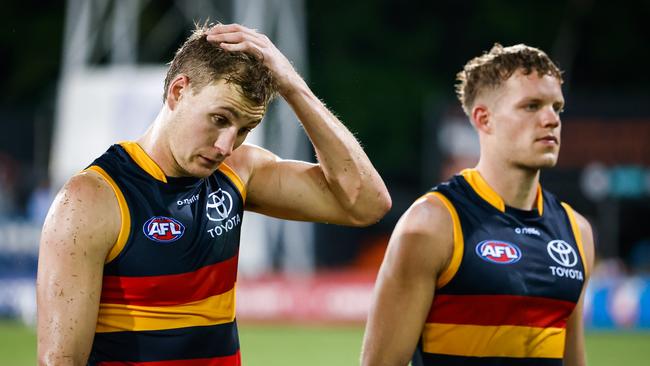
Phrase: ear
{"type": "Point", "coordinates": [481, 118]}
{"type": "Point", "coordinates": [177, 87]}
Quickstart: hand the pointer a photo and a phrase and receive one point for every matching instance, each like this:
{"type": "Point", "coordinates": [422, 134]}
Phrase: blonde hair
{"type": "Point", "coordinates": [491, 69]}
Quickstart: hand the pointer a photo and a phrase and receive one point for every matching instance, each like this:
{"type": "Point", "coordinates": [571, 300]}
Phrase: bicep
{"type": "Point", "coordinates": [401, 303]}
{"type": "Point", "coordinates": [405, 290]}
{"type": "Point", "coordinates": [292, 190]}
{"type": "Point", "coordinates": [574, 351]}
{"type": "Point", "coordinates": [574, 348]}
{"type": "Point", "coordinates": [76, 237]}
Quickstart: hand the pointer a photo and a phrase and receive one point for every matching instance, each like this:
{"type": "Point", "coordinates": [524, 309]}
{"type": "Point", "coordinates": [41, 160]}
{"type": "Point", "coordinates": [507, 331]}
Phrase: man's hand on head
{"type": "Point", "coordinates": [235, 37]}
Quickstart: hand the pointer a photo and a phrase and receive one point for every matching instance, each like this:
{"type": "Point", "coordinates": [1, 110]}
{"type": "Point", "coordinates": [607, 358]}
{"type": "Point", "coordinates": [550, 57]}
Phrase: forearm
{"type": "Point", "coordinates": [350, 175]}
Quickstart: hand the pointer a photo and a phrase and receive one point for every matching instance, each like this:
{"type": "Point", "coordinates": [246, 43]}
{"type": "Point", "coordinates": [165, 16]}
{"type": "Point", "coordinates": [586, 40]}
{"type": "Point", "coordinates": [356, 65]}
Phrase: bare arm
{"type": "Point", "coordinates": [343, 187]}
{"type": "Point", "coordinates": [80, 228]}
{"type": "Point", "coordinates": [574, 349]}
{"type": "Point", "coordinates": [419, 249]}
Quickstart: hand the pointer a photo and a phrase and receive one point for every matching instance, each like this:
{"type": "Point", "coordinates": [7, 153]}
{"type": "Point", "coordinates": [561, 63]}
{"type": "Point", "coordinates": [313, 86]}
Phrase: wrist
{"type": "Point", "coordinates": [291, 85]}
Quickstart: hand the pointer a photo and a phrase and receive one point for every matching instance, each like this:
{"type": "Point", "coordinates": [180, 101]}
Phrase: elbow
{"type": "Point", "coordinates": [386, 203]}
{"type": "Point", "coordinates": [382, 205]}
{"type": "Point", "coordinates": [365, 202]}
{"type": "Point", "coordinates": [371, 212]}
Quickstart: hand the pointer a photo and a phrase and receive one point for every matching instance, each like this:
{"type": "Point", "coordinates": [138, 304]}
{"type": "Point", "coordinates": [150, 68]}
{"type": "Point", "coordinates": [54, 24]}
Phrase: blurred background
{"type": "Point", "coordinates": [78, 75]}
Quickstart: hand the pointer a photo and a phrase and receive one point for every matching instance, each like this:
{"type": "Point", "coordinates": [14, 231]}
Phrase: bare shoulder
{"type": "Point", "coordinates": [88, 190]}
{"type": "Point", "coordinates": [423, 236]}
{"type": "Point", "coordinates": [427, 215]}
{"type": "Point", "coordinates": [85, 209]}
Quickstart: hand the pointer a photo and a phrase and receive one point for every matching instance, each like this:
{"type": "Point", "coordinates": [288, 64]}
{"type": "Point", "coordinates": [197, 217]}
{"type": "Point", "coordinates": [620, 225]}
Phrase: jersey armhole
{"type": "Point", "coordinates": [576, 234]}
{"type": "Point", "coordinates": [457, 255]}
{"type": "Point", "coordinates": [234, 178]}
{"type": "Point", "coordinates": [125, 226]}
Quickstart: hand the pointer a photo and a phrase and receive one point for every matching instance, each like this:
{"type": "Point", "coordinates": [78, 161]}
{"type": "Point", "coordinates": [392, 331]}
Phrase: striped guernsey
{"type": "Point", "coordinates": [168, 295]}
{"type": "Point", "coordinates": [513, 280]}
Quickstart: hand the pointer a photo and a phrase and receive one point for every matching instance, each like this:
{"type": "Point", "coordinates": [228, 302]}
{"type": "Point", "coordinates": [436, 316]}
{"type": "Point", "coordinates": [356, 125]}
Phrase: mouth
{"type": "Point", "coordinates": [209, 161]}
{"type": "Point", "coordinates": [549, 139]}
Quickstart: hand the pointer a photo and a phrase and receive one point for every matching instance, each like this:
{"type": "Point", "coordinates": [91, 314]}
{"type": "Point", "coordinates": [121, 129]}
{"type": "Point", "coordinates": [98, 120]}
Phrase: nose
{"type": "Point", "coordinates": [225, 141]}
{"type": "Point", "coordinates": [551, 117]}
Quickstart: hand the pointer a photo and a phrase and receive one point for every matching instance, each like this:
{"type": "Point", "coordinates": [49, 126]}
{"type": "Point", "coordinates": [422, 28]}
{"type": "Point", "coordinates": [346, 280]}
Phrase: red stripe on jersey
{"type": "Point", "coordinates": [500, 310]}
{"type": "Point", "coordinates": [174, 289]}
{"type": "Point", "coordinates": [233, 360]}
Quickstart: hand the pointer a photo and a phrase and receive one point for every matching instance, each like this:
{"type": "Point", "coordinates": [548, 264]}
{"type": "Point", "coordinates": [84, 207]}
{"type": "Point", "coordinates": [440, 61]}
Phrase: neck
{"type": "Point", "coordinates": [516, 186]}
{"type": "Point", "coordinates": [154, 142]}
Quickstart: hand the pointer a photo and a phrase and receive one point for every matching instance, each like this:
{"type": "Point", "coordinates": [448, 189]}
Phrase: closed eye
{"type": "Point", "coordinates": [220, 121]}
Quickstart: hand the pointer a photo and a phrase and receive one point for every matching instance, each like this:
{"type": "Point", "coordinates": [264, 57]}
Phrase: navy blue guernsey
{"type": "Point", "coordinates": [513, 280]}
{"type": "Point", "coordinates": [168, 291]}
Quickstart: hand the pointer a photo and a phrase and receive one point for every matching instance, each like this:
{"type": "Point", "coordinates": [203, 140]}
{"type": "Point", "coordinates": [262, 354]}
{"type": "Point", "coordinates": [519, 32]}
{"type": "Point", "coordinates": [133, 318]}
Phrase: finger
{"type": "Point", "coordinates": [250, 34]}
{"type": "Point", "coordinates": [233, 27]}
{"type": "Point", "coordinates": [230, 28]}
{"type": "Point", "coordinates": [237, 37]}
{"type": "Point", "coordinates": [226, 37]}
{"type": "Point", "coordinates": [243, 47]}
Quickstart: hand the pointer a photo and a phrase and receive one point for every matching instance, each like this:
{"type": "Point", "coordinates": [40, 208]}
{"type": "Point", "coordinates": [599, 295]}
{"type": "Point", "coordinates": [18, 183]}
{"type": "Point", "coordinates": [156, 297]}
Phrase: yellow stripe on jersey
{"type": "Point", "coordinates": [540, 200]}
{"type": "Point", "coordinates": [232, 175]}
{"type": "Point", "coordinates": [577, 234]}
{"type": "Point", "coordinates": [493, 341]}
{"type": "Point", "coordinates": [125, 227]}
{"type": "Point", "coordinates": [213, 310]}
{"type": "Point", "coordinates": [143, 160]}
{"type": "Point", "coordinates": [457, 255]}
{"type": "Point", "coordinates": [483, 189]}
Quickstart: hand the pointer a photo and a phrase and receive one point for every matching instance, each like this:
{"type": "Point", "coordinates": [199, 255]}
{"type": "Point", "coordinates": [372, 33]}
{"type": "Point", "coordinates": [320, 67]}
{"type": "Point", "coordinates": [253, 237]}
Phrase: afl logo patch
{"type": "Point", "coordinates": [500, 252]}
{"type": "Point", "coordinates": [163, 229]}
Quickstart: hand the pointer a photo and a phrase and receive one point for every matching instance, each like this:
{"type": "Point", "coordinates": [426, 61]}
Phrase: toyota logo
{"type": "Point", "coordinates": [562, 253]}
{"type": "Point", "coordinates": [219, 205]}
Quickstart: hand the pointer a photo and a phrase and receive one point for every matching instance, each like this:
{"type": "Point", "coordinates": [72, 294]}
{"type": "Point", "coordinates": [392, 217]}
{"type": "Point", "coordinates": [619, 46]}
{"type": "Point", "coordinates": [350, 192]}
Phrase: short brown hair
{"type": "Point", "coordinates": [204, 62]}
{"type": "Point", "coordinates": [491, 69]}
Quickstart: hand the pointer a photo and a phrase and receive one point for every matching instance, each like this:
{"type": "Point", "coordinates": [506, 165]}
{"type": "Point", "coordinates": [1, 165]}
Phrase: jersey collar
{"type": "Point", "coordinates": [143, 160]}
{"type": "Point", "coordinates": [483, 189]}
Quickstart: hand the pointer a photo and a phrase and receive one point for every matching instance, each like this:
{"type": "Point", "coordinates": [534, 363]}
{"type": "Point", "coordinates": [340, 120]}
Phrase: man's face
{"type": "Point", "coordinates": [525, 117]}
{"type": "Point", "coordinates": [208, 125]}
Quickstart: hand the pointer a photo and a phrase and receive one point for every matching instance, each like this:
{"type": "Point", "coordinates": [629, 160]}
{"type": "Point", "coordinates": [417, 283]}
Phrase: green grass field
{"type": "Point", "coordinates": [287, 345]}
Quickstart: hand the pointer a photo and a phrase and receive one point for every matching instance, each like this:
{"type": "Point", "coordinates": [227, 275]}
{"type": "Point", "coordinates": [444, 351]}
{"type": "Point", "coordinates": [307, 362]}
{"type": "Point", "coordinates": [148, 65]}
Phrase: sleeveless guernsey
{"type": "Point", "coordinates": [513, 280]}
{"type": "Point", "coordinates": [168, 293]}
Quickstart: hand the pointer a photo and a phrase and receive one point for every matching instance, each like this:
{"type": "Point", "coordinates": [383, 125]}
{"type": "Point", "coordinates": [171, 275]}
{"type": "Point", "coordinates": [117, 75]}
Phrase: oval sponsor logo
{"type": "Point", "coordinates": [562, 253]}
{"type": "Point", "coordinates": [163, 229]}
{"type": "Point", "coordinates": [219, 205]}
{"type": "Point", "coordinates": [500, 252]}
